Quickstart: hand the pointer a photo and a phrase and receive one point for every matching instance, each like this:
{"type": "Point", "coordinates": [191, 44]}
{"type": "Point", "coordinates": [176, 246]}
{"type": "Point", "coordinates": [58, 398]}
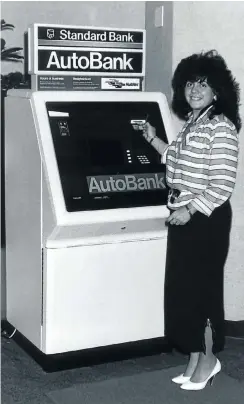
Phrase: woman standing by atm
{"type": "Point", "coordinates": [201, 167]}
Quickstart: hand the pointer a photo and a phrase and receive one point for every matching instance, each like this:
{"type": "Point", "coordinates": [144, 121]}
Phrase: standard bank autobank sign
{"type": "Point", "coordinates": [89, 61]}
{"type": "Point", "coordinates": [75, 50]}
{"type": "Point", "coordinates": [126, 183]}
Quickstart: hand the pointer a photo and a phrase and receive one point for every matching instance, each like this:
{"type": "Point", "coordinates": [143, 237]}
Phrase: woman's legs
{"type": "Point", "coordinates": [196, 255]}
{"type": "Point", "coordinates": [206, 361]}
{"type": "Point", "coordinates": [192, 364]}
{"type": "Point", "coordinates": [217, 249]}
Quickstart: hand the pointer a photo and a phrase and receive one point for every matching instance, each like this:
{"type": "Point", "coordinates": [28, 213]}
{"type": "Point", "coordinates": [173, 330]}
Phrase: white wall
{"type": "Point", "coordinates": [159, 48]}
{"type": "Point", "coordinates": [203, 25]}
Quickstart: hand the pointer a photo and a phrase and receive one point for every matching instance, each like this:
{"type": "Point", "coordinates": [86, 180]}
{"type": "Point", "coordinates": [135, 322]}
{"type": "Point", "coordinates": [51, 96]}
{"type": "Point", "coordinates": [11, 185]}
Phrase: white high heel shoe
{"type": "Point", "coordinates": [181, 379]}
{"type": "Point", "coordinates": [199, 386]}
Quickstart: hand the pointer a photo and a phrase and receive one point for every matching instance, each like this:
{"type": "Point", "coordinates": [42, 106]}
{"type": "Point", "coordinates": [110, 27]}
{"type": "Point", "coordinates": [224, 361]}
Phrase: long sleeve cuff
{"type": "Point", "coordinates": [203, 205]}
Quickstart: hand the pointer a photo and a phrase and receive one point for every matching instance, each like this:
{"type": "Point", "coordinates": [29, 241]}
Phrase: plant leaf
{"type": "Point", "coordinates": [4, 25]}
{"type": "Point", "coordinates": [12, 59]}
{"type": "Point", "coordinates": [3, 43]}
{"type": "Point", "coordinates": [10, 52]}
{"type": "Point", "coordinates": [7, 27]}
{"type": "Point", "coordinates": [8, 55]}
{"type": "Point", "coordinates": [12, 55]}
{"type": "Point", "coordinates": [14, 49]}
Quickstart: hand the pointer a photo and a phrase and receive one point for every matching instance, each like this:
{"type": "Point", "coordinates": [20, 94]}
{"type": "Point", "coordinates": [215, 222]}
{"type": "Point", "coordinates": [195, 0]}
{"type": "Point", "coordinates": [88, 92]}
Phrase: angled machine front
{"type": "Point", "coordinates": [85, 218]}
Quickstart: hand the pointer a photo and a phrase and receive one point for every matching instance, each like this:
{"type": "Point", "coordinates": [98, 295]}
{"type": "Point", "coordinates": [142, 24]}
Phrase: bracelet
{"type": "Point", "coordinates": [188, 210]}
{"type": "Point", "coordinates": [150, 141]}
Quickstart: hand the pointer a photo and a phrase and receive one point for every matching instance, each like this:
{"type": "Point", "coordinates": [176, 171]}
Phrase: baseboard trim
{"type": "Point", "coordinates": [88, 357]}
{"type": "Point", "coordinates": [234, 328]}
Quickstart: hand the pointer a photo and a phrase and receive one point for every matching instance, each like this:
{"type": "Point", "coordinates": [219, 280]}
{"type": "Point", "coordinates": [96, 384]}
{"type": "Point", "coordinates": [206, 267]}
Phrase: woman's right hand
{"type": "Point", "coordinates": [148, 131]}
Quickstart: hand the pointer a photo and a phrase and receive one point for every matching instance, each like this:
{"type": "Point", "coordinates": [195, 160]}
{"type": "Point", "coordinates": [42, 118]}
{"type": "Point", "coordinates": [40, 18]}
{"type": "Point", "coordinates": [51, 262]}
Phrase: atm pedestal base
{"type": "Point", "coordinates": [89, 357]}
{"type": "Point", "coordinates": [100, 295]}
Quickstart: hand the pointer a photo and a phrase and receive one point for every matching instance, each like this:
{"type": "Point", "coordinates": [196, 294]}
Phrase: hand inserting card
{"type": "Point", "coordinates": [138, 124]}
{"type": "Point", "coordinates": [148, 131]}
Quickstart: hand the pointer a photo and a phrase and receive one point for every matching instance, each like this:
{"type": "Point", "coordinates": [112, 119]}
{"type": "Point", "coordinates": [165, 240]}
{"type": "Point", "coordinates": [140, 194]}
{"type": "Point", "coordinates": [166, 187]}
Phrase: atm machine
{"type": "Point", "coordinates": [85, 218]}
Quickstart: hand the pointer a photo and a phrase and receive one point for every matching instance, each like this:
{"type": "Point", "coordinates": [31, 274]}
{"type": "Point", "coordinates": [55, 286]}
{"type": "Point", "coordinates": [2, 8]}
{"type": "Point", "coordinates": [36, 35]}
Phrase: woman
{"type": "Point", "coordinates": [201, 173]}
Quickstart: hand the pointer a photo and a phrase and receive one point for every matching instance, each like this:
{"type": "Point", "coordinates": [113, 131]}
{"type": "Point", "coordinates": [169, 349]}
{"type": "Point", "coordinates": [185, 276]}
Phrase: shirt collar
{"type": "Point", "coordinates": [202, 117]}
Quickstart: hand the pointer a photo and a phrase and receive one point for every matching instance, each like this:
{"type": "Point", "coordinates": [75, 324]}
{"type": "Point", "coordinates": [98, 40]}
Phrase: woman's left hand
{"type": "Point", "coordinates": [179, 217]}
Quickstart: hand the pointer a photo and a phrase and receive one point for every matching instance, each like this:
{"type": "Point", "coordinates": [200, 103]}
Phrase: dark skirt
{"type": "Point", "coordinates": [196, 255]}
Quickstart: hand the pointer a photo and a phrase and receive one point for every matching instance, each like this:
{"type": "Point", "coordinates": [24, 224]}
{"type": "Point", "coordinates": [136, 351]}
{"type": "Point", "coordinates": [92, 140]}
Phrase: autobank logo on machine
{"type": "Point", "coordinates": [113, 83]}
{"type": "Point", "coordinates": [126, 183]}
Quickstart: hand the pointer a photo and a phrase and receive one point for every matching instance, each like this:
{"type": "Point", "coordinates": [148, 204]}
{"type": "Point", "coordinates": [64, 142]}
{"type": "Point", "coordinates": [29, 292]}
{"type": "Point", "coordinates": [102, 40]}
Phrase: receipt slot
{"type": "Point", "coordinates": [85, 218]}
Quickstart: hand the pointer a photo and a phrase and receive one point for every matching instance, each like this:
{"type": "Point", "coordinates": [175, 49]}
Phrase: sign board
{"type": "Point", "coordinates": [56, 50]}
{"type": "Point", "coordinates": [85, 83]}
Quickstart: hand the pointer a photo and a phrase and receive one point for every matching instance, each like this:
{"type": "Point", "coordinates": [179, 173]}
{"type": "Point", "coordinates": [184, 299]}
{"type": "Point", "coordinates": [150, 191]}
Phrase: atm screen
{"type": "Point", "coordinates": [103, 162]}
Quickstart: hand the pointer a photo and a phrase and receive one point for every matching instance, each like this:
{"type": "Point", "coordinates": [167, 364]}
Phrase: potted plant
{"type": "Point", "coordinates": [13, 79]}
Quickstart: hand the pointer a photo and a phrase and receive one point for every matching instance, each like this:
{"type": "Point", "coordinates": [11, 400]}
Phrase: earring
{"type": "Point", "coordinates": [215, 97]}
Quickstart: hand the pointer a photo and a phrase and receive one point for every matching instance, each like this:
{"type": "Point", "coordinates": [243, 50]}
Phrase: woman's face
{"type": "Point", "coordinates": [198, 94]}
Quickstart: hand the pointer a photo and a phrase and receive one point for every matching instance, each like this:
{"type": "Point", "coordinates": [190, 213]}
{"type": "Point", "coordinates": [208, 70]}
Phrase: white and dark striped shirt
{"type": "Point", "coordinates": [202, 163]}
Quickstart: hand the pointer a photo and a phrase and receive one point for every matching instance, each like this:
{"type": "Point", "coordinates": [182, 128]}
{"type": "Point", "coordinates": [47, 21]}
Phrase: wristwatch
{"type": "Point", "coordinates": [152, 139]}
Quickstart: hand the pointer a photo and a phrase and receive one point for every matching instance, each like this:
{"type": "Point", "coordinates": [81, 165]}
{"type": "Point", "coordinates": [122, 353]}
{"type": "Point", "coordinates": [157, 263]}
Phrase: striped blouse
{"type": "Point", "coordinates": [202, 163]}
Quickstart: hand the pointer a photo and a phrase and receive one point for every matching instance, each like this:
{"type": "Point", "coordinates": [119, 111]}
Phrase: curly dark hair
{"type": "Point", "coordinates": [209, 66]}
